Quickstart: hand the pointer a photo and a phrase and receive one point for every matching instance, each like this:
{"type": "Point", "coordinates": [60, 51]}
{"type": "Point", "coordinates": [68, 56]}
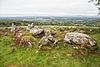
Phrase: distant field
{"type": "Point", "coordinates": [55, 26]}
{"type": "Point", "coordinates": [47, 57]}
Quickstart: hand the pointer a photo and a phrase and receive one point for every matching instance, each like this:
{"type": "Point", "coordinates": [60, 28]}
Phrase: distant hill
{"type": "Point", "coordinates": [53, 20]}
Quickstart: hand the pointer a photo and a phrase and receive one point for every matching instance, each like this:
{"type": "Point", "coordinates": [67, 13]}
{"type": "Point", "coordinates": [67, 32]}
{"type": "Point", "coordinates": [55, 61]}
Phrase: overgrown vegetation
{"type": "Point", "coordinates": [58, 56]}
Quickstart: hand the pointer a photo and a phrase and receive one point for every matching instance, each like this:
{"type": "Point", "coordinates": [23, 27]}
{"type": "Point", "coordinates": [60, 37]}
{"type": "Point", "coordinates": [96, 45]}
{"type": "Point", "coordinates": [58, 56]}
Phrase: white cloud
{"type": "Point", "coordinates": [46, 7]}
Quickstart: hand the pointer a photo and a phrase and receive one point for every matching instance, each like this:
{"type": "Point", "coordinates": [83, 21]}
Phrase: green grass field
{"type": "Point", "coordinates": [47, 56]}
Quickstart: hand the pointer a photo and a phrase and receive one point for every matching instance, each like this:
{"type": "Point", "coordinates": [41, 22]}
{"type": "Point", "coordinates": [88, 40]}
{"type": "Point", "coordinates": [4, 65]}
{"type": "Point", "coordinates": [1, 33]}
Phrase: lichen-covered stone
{"type": "Point", "coordinates": [83, 40]}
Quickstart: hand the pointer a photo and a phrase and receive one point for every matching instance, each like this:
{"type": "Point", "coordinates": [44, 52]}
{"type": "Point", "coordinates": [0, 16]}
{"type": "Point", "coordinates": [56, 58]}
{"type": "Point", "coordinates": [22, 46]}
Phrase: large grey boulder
{"type": "Point", "coordinates": [30, 26]}
{"type": "Point", "coordinates": [47, 32]}
{"type": "Point", "coordinates": [40, 32]}
{"type": "Point", "coordinates": [36, 31]}
{"type": "Point", "coordinates": [80, 39]}
{"type": "Point", "coordinates": [47, 40]}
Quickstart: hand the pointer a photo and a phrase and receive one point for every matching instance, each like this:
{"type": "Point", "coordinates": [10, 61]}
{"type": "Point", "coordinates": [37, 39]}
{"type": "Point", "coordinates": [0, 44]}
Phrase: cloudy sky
{"type": "Point", "coordinates": [46, 8]}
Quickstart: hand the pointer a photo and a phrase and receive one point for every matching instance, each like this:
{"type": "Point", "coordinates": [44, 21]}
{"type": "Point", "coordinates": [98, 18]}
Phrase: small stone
{"type": "Point", "coordinates": [69, 55]}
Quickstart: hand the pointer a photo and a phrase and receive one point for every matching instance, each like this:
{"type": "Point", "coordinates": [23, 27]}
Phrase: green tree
{"type": "Point", "coordinates": [97, 3]}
